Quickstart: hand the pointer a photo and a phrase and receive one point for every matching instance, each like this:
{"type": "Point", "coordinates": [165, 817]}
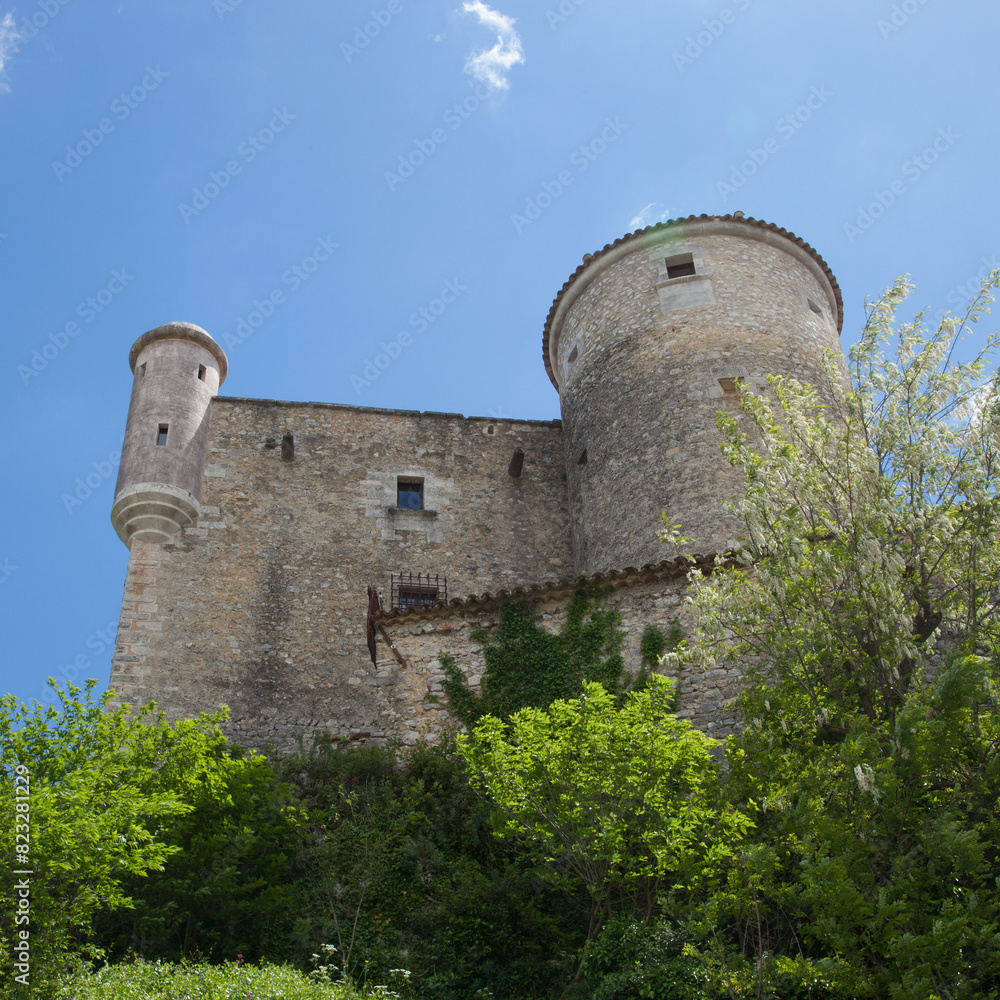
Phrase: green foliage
{"type": "Point", "coordinates": [104, 785]}
{"type": "Point", "coordinates": [402, 869]}
{"type": "Point", "coordinates": [633, 959]}
{"type": "Point", "coordinates": [225, 889]}
{"type": "Point", "coordinates": [652, 647]}
{"type": "Point", "coordinates": [528, 666]}
{"type": "Point", "coordinates": [187, 981]}
{"type": "Point", "coordinates": [619, 798]}
{"type": "Point", "coordinates": [882, 847]}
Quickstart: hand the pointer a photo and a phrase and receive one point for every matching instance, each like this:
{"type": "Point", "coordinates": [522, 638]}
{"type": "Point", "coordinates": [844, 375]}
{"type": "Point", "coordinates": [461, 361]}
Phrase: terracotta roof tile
{"type": "Point", "coordinates": [538, 592]}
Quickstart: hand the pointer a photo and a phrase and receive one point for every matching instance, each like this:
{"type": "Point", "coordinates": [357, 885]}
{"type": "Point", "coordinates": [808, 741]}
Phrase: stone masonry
{"type": "Point", "coordinates": [256, 526]}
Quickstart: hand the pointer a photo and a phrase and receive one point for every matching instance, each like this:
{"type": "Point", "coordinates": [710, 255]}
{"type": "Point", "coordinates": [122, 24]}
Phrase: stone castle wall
{"type": "Point", "coordinates": [421, 637]}
{"type": "Point", "coordinates": [257, 599]}
{"type": "Point", "coordinates": [262, 605]}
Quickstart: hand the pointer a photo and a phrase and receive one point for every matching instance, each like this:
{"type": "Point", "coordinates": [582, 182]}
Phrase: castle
{"type": "Point", "coordinates": [306, 563]}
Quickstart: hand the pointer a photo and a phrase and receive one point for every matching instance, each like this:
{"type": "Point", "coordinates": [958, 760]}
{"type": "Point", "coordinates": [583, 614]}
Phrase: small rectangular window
{"type": "Point", "coordinates": [409, 494]}
{"type": "Point", "coordinates": [142, 369]}
{"type": "Point", "coordinates": [414, 597]}
{"type": "Point", "coordinates": [161, 434]}
{"type": "Point", "coordinates": [815, 307]}
{"type": "Point", "coordinates": [730, 386]}
{"type": "Point", "coordinates": [681, 265]}
{"type": "Point", "coordinates": [201, 372]}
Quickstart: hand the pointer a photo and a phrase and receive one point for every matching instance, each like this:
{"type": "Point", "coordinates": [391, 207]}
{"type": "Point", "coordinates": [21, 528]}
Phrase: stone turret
{"type": "Point", "coordinates": [177, 369]}
{"type": "Point", "coordinates": [646, 342]}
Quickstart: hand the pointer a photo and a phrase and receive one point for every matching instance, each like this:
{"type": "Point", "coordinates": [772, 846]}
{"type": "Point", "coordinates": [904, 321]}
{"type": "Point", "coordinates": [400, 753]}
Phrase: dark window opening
{"type": "Point", "coordinates": [417, 590]}
{"type": "Point", "coordinates": [287, 448]}
{"type": "Point", "coordinates": [681, 265]}
{"type": "Point", "coordinates": [142, 368]}
{"type": "Point", "coordinates": [490, 429]}
{"type": "Point", "coordinates": [730, 386]}
{"type": "Point", "coordinates": [161, 434]}
{"type": "Point", "coordinates": [410, 494]}
{"type": "Point", "coordinates": [412, 597]}
{"type": "Point", "coordinates": [201, 372]}
{"type": "Point", "coordinates": [573, 355]}
{"type": "Point", "coordinates": [582, 460]}
{"type": "Point", "coordinates": [815, 307]}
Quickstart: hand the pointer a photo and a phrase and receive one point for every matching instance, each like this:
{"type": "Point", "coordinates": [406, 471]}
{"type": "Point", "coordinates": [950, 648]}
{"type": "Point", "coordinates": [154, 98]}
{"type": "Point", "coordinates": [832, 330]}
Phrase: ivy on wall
{"type": "Point", "coordinates": [526, 665]}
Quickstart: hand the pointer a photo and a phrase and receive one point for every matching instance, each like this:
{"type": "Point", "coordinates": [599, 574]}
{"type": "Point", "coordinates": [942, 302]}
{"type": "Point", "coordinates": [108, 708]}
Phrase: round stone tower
{"type": "Point", "coordinates": [646, 342]}
{"type": "Point", "coordinates": [177, 369]}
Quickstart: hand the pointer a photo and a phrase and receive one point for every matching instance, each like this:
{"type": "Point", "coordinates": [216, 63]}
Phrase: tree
{"type": "Point", "coordinates": [619, 797]}
{"type": "Point", "coordinates": [870, 529]}
{"type": "Point", "coordinates": [865, 586]}
{"type": "Point", "coordinates": [102, 787]}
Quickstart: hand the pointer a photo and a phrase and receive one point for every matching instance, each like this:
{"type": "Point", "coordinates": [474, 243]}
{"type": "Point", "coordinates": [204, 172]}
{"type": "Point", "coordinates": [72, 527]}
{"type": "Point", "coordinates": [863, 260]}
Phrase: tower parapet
{"type": "Point", "coordinates": [646, 342]}
{"type": "Point", "coordinates": [177, 369]}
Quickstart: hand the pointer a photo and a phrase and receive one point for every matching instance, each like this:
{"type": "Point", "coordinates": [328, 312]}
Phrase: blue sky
{"type": "Point", "coordinates": [183, 160]}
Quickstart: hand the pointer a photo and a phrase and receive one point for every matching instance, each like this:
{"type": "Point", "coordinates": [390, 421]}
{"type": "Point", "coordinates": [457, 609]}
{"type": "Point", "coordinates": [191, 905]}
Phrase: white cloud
{"type": "Point", "coordinates": [648, 216]}
{"type": "Point", "coordinates": [491, 65]}
{"type": "Point", "coordinates": [8, 41]}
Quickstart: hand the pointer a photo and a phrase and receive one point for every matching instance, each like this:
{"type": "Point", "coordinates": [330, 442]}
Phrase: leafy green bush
{"type": "Point", "coordinates": [403, 869]}
{"type": "Point", "coordinates": [188, 981]}
{"type": "Point", "coordinates": [880, 848]}
{"type": "Point", "coordinates": [226, 889]}
{"type": "Point", "coordinates": [633, 958]}
{"type": "Point", "coordinates": [620, 798]}
{"type": "Point", "coordinates": [103, 788]}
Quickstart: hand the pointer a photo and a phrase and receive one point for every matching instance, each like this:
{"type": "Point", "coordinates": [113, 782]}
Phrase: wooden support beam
{"type": "Point", "coordinates": [392, 646]}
